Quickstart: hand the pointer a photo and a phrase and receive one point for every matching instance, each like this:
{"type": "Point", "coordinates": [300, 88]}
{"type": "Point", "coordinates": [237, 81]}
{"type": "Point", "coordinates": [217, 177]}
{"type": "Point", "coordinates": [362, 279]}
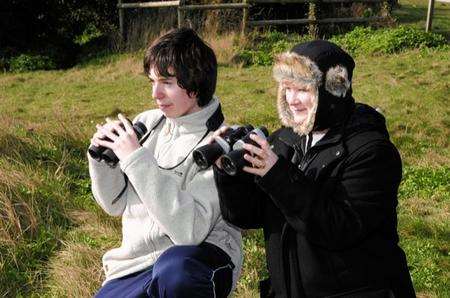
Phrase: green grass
{"type": "Point", "coordinates": [414, 12]}
{"type": "Point", "coordinates": [55, 245]}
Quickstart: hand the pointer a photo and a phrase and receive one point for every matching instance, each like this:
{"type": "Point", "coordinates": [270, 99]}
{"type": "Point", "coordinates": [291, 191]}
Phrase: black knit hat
{"type": "Point", "coordinates": [324, 67]}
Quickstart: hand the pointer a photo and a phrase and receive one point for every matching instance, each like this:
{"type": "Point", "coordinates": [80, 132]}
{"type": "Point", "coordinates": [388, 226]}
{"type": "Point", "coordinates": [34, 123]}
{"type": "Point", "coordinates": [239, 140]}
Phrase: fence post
{"type": "Point", "coordinates": [244, 18]}
{"type": "Point", "coordinates": [429, 15]}
{"type": "Point", "coordinates": [313, 28]}
{"type": "Point", "coordinates": [121, 29]}
{"type": "Point", "coordinates": [181, 13]}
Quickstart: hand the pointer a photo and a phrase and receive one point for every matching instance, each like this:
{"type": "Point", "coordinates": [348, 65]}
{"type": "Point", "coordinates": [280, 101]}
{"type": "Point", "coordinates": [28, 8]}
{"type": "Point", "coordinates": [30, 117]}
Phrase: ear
{"type": "Point", "coordinates": [337, 82]}
{"type": "Point", "coordinates": [192, 95]}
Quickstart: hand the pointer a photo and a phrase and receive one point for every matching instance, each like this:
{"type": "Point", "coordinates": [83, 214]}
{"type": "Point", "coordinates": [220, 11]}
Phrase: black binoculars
{"type": "Point", "coordinates": [100, 153]}
{"type": "Point", "coordinates": [229, 148]}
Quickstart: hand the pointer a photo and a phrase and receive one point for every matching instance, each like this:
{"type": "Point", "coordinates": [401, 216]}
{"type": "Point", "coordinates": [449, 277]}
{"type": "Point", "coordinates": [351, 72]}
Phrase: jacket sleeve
{"type": "Point", "coordinates": [241, 200]}
{"type": "Point", "coordinates": [107, 184]}
{"type": "Point", "coordinates": [196, 206]}
{"type": "Point", "coordinates": [345, 209]}
{"type": "Point", "coordinates": [110, 185]}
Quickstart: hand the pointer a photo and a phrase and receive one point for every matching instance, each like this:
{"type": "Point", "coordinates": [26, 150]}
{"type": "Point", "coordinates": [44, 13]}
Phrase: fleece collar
{"type": "Point", "coordinates": [210, 116]}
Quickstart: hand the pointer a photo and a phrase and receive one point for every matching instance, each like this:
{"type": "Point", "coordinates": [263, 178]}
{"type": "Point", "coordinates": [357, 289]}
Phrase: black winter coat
{"type": "Point", "coordinates": [329, 216]}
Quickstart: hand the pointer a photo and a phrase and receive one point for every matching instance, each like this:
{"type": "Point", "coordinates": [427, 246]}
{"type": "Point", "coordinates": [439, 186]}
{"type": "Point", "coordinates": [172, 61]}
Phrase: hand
{"type": "Point", "coordinates": [123, 142]}
{"type": "Point", "coordinates": [99, 135]}
{"type": "Point", "coordinates": [216, 134]}
{"type": "Point", "coordinates": [262, 159]}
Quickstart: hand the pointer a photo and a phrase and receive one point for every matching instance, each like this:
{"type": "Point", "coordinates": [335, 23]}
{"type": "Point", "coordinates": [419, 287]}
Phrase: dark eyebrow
{"type": "Point", "coordinates": [160, 79]}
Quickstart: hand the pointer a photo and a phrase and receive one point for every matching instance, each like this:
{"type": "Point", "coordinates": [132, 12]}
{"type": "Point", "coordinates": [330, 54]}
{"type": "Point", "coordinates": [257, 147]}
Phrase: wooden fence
{"type": "Point", "coordinates": [246, 4]}
{"type": "Point", "coordinates": [431, 12]}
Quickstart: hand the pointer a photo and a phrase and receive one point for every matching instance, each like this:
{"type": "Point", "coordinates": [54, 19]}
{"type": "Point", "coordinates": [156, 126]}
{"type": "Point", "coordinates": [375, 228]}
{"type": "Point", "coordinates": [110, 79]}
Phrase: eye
{"type": "Point", "coordinates": [291, 89]}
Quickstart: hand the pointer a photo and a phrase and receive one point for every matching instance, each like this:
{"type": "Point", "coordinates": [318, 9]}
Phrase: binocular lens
{"type": "Point", "coordinates": [206, 155]}
{"type": "Point", "coordinates": [228, 165]}
{"type": "Point", "coordinates": [233, 162]}
{"type": "Point", "coordinates": [96, 152]}
{"type": "Point", "coordinates": [200, 159]}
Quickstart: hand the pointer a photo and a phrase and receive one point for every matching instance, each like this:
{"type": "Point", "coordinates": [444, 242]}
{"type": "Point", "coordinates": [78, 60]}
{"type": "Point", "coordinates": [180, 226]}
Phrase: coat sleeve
{"type": "Point", "coordinates": [343, 210]}
{"type": "Point", "coordinates": [196, 206]}
{"type": "Point", "coordinates": [107, 184]}
{"type": "Point", "coordinates": [241, 200]}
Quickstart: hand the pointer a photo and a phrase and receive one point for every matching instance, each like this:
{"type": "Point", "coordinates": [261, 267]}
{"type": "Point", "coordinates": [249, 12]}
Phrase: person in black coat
{"type": "Point", "coordinates": [323, 187]}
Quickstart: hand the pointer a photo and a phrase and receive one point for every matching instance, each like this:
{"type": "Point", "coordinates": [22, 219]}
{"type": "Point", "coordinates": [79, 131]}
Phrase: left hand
{"type": "Point", "coordinates": [262, 159]}
{"type": "Point", "coordinates": [124, 142]}
{"type": "Point", "coordinates": [216, 134]}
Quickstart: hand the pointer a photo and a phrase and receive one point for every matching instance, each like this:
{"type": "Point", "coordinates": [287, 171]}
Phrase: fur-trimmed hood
{"type": "Point", "coordinates": [326, 70]}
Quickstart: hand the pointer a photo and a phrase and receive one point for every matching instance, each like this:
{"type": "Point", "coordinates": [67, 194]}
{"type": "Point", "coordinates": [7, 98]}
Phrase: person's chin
{"type": "Point", "coordinates": [299, 119]}
{"type": "Point", "coordinates": [170, 114]}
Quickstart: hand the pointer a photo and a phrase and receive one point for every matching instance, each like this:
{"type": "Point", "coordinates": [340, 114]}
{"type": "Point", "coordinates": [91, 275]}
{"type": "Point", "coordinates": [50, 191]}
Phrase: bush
{"type": "Point", "coordinates": [261, 49]}
{"type": "Point", "coordinates": [387, 41]}
{"type": "Point", "coordinates": [266, 46]}
{"type": "Point", "coordinates": [26, 62]}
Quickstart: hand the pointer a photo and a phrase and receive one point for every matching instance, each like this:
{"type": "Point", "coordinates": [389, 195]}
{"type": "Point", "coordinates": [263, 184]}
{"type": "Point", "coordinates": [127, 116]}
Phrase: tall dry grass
{"type": "Point", "coordinates": [37, 167]}
{"type": "Point", "coordinates": [76, 269]}
{"type": "Point", "coordinates": [219, 28]}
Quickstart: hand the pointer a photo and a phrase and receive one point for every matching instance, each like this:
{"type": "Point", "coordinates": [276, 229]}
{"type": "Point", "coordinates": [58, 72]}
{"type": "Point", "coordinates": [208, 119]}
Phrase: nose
{"type": "Point", "coordinates": [157, 91]}
{"type": "Point", "coordinates": [292, 97]}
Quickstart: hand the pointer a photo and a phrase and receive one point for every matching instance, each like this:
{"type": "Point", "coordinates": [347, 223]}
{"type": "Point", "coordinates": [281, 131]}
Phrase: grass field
{"type": "Point", "coordinates": [52, 234]}
{"type": "Point", "coordinates": [54, 243]}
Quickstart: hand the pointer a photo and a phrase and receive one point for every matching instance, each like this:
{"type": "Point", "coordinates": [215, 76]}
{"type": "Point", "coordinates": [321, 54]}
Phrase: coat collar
{"type": "Point", "coordinates": [292, 139]}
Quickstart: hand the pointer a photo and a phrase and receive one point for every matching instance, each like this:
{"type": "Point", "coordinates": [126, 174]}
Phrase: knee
{"type": "Point", "coordinates": [174, 283]}
{"type": "Point", "coordinates": [178, 276]}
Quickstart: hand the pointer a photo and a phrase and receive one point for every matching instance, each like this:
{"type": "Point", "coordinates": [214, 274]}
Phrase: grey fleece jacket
{"type": "Point", "coordinates": [161, 208]}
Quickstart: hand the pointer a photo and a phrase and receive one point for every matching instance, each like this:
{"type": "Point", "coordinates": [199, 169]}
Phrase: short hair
{"type": "Point", "coordinates": [181, 53]}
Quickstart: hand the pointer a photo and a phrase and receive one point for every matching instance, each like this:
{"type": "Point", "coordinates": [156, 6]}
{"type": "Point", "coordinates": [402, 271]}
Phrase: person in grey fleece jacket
{"type": "Point", "coordinates": [174, 240]}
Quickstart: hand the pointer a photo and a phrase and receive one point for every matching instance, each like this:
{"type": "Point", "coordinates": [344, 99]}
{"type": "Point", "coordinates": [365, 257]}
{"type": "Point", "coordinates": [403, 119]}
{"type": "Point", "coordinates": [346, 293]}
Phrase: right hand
{"type": "Point", "coordinates": [99, 134]}
{"type": "Point", "coordinates": [220, 131]}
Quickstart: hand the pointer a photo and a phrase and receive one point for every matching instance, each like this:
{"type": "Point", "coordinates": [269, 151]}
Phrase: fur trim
{"type": "Point", "coordinates": [286, 117]}
{"type": "Point", "coordinates": [336, 81]}
{"type": "Point", "coordinates": [301, 70]}
{"type": "Point", "coordinates": [293, 67]}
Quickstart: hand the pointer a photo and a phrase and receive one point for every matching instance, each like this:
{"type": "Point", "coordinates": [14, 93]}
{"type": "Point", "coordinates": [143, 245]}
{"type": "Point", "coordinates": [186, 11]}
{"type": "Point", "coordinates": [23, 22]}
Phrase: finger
{"type": "Point", "coordinates": [99, 134]}
{"type": "Point", "coordinates": [256, 162]}
{"type": "Point", "coordinates": [109, 134]}
{"type": "Point", "coordinates": [126, 123]}
{"type": "Point", "coordinates": [223, 129]}
{"type": "Point", "coordinates": [117, 127]}
{"type": "Point", "coordinates": [220, 131]}
{"type": "Point", "coordinates": [254, 150]}
{"type": "Point", "coordinates": [109, 123]}
{"type": "Point", "coordinates": [106, 144]}
{"type": "Point", "coordinates": [251, 170]}
{"type": "Point", "coordinates": [94, 142]}
{"type": "Point", "coordinates": [260, 141]}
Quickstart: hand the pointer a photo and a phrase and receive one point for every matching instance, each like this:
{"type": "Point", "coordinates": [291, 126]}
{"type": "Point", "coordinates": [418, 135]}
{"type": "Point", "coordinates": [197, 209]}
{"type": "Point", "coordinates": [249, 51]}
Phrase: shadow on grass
{"type": "Point", "coordinates": [413, 14]}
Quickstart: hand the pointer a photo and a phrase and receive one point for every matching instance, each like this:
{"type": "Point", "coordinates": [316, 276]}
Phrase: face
{"type": "Point", "coordinates": [171, 99]}
{"type": "Point", "coordinates": [300, 100]}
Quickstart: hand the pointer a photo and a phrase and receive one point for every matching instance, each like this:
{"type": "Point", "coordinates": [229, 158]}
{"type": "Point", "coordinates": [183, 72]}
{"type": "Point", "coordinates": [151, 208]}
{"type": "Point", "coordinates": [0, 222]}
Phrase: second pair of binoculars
{"type": "Point", "coordinates": [100, 153]}
{"type": "Point", "coordinates": [229, 147]}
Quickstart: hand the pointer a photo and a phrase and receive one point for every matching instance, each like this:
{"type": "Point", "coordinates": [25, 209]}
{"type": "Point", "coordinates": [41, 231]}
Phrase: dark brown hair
{"type": "Point", "coordinates": [181, 53]}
